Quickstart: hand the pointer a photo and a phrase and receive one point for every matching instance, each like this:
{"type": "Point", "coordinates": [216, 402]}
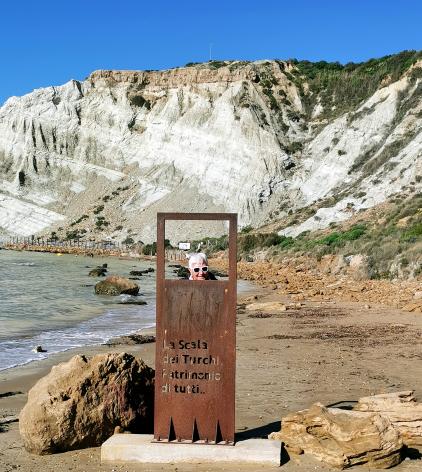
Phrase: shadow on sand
{"type": "Point", "coordinates": [263, 432]}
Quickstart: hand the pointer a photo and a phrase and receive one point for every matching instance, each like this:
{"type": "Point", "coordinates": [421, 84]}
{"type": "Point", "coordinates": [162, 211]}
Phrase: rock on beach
{"type": "Point", "coordinates": [402, 409]}
{"type": "Point", "coordinates": [116, 285]}
{"type": "Point", "coordinates": [341, 438]}
{"type": "Point", "coordinates": [80, 403]}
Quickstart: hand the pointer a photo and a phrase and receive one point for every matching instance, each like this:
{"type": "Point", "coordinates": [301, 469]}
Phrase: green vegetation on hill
{"type": "Point", "coordinates": [392, 243]}
{"type": "Point", "coordinates": [340, 88]}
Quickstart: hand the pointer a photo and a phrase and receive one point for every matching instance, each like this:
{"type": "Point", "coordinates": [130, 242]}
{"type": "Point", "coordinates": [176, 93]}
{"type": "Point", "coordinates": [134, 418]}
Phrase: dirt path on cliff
{"type": "Point", "coordinates": [316, 350]}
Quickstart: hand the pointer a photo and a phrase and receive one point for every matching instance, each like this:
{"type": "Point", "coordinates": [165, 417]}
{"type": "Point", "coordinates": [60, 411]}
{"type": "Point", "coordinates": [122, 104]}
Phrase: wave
{"type": "Point", "coordinates": [99, 330]}
{"type": "Point", "coordinates": [28, 264]}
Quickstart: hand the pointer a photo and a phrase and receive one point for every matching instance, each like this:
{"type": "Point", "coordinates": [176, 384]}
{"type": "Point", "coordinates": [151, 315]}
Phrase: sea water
{"type": "Point", "coordinates": [49, 300]}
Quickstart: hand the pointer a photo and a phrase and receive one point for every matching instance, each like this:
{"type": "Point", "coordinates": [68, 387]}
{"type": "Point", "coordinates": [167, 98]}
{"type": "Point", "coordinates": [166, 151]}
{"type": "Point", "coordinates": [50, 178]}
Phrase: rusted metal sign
{"type": "Point", "coordinates": [195, 349]}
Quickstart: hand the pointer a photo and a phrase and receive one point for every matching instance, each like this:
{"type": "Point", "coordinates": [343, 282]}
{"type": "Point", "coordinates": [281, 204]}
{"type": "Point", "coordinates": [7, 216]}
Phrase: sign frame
{"type": "Point", "coordinates": [206, 312]}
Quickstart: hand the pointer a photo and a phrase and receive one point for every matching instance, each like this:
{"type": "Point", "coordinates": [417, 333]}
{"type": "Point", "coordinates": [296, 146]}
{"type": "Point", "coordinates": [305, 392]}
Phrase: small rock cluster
{"type": "Point", "coordinates": [304, 278]}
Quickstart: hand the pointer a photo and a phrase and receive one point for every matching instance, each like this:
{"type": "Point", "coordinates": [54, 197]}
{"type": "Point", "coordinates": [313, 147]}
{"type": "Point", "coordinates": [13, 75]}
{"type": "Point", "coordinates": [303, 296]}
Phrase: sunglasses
{"type": "Point", "coordinates": [202, 269]}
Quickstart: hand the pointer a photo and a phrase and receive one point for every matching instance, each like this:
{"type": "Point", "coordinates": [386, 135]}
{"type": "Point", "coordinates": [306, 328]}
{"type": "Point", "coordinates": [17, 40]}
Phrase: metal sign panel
{"type": "Point", "coordinates": [184, 246]}
{"type": "Point", "coordinates": [195, 349]}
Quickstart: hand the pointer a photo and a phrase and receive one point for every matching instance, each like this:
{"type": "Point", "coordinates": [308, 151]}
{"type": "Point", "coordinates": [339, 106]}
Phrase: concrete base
{"type": "Point", "coordinates": [140, 448]}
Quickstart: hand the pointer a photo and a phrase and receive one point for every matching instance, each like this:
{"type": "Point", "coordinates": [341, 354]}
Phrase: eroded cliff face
{"type": "Point", "coordinates": [102, 156]}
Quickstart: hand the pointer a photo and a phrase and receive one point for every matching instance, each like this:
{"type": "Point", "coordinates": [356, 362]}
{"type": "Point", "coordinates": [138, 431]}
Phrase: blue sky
{"type": "Point", "coordinates": [45, 42]}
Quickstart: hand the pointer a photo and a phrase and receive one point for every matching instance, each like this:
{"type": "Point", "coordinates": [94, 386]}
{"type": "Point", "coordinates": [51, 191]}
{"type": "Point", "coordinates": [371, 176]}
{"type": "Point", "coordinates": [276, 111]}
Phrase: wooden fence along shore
{"type": "Point", "coordinates": [87, 248]}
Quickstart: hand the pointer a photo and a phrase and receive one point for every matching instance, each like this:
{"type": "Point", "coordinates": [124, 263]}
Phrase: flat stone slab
{"type": "Point", "coordinates": [140, 448]}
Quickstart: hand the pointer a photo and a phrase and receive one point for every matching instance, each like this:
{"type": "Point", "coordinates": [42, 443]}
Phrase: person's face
{"type": "Point", "coordinates": [200, 274]}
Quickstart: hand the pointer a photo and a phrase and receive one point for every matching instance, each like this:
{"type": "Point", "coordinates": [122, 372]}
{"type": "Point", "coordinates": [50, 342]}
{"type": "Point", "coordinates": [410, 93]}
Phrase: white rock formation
{"type": "Point", "coordinates": [198, 139]}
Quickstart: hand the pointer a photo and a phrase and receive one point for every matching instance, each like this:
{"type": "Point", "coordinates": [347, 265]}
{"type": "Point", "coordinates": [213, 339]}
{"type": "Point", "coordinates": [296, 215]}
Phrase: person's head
{"type": "Point", "coordinates": [198, 266]}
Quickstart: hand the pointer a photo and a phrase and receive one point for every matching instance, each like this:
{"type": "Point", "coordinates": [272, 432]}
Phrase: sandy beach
{"type": "Point", "coordinates": [326, 351]}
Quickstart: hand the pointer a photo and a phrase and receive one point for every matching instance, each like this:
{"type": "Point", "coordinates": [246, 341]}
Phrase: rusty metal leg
{"type": "Point", "coordinates": [195, 432]}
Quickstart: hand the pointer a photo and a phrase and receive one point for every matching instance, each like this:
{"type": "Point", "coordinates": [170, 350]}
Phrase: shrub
{"type": "Point", "coordinates": [354, 233]}
{"type": "Point", "coordinates": [216, 64]}
{"type": "Point", "coordinates": [286, 242]}
{"type": "Point", "coordinates": [339, 238]}
{"type": "Point", "coordinates": [72, 234]}
{"type": "Point", "coordinates": [248, 242]}
{"type": "Point", "coordinates": [413, 233]}
{"type": "Point", "coordinates": [271, 239]}
{"type": "Point", "coordinates": [79, 220]}
{"type": "Point", "coordinates": [100, 222]}
{"type": "Point", "coordinates": [330, 240]}
{"type": "Point", "coordinates": [246, 229]}
{"type": "Point", "coordinates": [212, 245]}
{"type": "Point", "coordinates": [149, 249]}
{"type": "Point", "coordinates": [341, 88]}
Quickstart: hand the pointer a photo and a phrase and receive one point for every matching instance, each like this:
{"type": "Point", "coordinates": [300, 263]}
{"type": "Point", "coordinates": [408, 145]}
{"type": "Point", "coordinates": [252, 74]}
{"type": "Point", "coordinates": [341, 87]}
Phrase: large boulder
{"type": "Point", "coordinates": [402, 409]}
{"type": "Point", "coordinates": [80, 402]}
{"type": "Point", "coordinates": [341, 438]}
{"type": "Point", "coordinates": [115, 285]}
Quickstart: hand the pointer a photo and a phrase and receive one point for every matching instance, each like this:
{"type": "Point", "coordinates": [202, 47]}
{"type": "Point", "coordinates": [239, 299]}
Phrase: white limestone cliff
{"type": "Point", "coordinates": [198, 139]}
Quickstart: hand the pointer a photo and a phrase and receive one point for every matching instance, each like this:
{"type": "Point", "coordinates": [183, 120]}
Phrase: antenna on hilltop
{"type": "Point", "coordinates": [210, 51]}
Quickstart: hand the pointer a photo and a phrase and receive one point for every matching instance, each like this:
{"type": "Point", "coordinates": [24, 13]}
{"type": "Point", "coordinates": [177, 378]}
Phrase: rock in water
{"type": "Point", "coordinates": [131, 300]}
{"type": "Point", "coordinates": [182, 272]}
{"type": "Point", "coordinates": [80, 402]}
{"type": "Point", "coordinates": [115, 285]}
{"type": "Point", "coordinates": [341, 438]}
{"type": "Point", "coordinates": [39, 349]}
{"type": "Point", "coordinates": [132, 339]}
{"type": "Point", "coordinates": [402, 409]}
{"type": "Point", "coordinates": [141, 272]}
{"type": "Point", "coordinates": [98, 272]}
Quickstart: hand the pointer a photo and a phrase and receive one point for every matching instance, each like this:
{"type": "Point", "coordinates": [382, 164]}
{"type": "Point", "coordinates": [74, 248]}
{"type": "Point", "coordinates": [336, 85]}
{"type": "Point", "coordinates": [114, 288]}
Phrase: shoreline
{"type": "Point", "coordinates": [127, 253]}
{"type": "Point", "coordinates": [76, 250]}
{"type": "Point", "coordinates": [11, 378]}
